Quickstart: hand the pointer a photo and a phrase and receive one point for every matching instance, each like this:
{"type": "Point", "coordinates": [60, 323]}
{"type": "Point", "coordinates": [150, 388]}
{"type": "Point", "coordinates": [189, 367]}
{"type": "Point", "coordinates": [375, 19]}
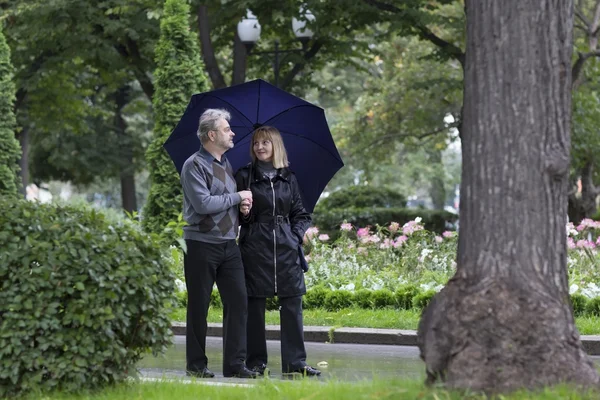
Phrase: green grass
{"type": "Point", "coordinates": [304, 389]}
{"type": "Point", "coordinates": [361, 318]}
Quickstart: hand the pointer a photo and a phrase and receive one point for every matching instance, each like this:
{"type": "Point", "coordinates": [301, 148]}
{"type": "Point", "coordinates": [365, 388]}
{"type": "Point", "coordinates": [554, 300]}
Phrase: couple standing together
{"type": "Point", "coordinates": [266, 263]}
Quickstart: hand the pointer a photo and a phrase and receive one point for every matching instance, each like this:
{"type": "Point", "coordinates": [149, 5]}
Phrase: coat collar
{"type": "Point", "coordinates": [282, 173]}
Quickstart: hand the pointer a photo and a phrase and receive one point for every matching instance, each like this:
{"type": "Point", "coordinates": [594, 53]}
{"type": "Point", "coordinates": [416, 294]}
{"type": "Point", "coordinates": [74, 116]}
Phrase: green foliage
{"type": "Point", "coordinates": [404, 296]}
{"type": "Point", "coordinates": [579, 303]}
{"type": "Point", "coordinates": [182, 299]}
{"type": "Point", "coordinates": [10, 150]}
{"type": "Point", "coordinates": [215, 299]}
{"type": "Point", "coordinates": [329, 221]}
{"type": "Point", "coordinates": [383, 298]}
{"type": "Point", "coordinates": [272, 303]}
{"type": "Point", "coordinates": [179, 74]}
{"type": "Point", "coordinates": [83, 297]}
{"type": "Point", "coordinates": [421, 300]}
{"type": "Point", "coordinates": [315, 297]}
{"type": "Point", "coordinates": [592, 308]}
{"type": "Point", "coordinates": [362, 298]}
{"type": "Point", "coordinates": [363, 197]}
{"type": "Point", "coordinates": [338, 299]}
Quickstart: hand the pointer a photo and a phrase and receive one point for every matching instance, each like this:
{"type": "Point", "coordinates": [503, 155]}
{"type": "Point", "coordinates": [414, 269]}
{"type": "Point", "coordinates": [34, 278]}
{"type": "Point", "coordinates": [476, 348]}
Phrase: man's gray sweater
{"type": "Point", "coordinates": [209, 198]}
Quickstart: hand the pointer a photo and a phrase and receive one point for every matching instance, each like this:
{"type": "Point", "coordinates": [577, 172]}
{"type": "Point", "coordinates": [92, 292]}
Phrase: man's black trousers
{"type": "Point", "coordinates": [205, 264]}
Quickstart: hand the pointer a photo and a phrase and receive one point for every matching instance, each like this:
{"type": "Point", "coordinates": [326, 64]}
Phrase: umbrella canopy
{"type": "Point", "coordinates": [311, 151]}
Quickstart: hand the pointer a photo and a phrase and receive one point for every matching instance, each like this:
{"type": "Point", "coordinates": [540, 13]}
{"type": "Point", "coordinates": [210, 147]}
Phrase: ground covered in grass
{"type": "Point", "coordinates": [305, 389]}
{"type": "Point", "coordinates": [361, 318]}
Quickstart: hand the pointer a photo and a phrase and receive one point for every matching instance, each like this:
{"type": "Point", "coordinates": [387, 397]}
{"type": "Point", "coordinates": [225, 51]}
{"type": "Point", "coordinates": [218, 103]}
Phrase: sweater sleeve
{"type": "Point", "coordinates": [193, 181]}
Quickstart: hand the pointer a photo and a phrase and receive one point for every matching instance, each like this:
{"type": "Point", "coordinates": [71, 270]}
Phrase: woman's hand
{"type": "Point", "coordinates": [245, 207]}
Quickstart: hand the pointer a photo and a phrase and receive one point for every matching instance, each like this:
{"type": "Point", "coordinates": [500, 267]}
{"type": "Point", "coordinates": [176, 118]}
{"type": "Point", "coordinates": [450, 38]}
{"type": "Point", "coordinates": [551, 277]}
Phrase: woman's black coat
{"type": "Point", "coordinates": [270, 236]}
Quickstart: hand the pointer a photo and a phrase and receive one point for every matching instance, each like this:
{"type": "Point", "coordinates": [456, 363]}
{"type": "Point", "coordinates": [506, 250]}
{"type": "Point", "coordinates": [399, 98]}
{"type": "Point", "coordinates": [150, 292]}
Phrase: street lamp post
{"type": "Point", "coordinates": [249, 32]}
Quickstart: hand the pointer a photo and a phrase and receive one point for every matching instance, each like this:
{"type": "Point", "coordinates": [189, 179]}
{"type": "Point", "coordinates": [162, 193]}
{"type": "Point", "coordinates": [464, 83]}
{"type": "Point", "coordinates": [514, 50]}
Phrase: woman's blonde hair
{"type": "Point", "coordinates": [280, 158]}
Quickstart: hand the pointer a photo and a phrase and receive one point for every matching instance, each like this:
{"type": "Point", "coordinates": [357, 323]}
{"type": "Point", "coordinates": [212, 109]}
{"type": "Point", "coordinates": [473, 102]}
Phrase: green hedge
{"type": "Point", "coordinates": [82, 298]}
{"type": "Point", "coordinates": [328, 221]}
{"type": "Point", "coordinates": [363, 197]}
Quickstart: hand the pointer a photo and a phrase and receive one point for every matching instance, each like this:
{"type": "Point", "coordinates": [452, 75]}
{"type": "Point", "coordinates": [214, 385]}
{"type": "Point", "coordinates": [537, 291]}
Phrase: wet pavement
{"type": "Point", "coordinates": [346, 362]}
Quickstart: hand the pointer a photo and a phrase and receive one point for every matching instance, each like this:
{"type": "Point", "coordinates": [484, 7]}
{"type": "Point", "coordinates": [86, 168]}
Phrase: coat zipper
{"type": "Point", "coordinates": [274, 237]}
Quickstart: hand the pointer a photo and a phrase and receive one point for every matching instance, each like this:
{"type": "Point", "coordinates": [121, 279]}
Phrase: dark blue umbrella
{"type": "Point", "coordinates": [311, 150]}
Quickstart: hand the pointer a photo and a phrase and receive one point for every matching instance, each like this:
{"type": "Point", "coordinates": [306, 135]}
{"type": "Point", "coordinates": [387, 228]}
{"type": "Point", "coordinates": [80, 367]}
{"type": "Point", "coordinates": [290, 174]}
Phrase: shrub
{"type": "Point", "coordinates": [383, 298]}
{"type": "Point", "coordinates": [315, 298]}
{"type": "Point", "coordinates": [363, 197]}
{"type": "Point", "coordinates": [579, 303]}
{"type": "Point", "coordinates": [10, 150]}
{"type": "Point", "coordinates": [82, 297]}
{"type": "Point", "coordinates": [215, 299]}
{"type": "Point", "coordinates": [362, 298]}
{"type": "Point", "coordinates": [592, 308]}
{"type": "Point", "coordinates": [182, 299]}
{"type": "Point", "coordinates": [272, 303]}
{"type": "Point", "coordinates": [404, 296]}
{"type": "Point", "coordinates": [179, 74]}
{"type": "Point", "coordinates": [337, 299]}
{"type": "Point", "coordinates": [421, 300]}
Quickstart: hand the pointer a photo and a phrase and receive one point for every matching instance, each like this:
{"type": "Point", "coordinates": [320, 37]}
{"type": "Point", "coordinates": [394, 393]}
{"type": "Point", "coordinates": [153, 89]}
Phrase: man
{"type": "Point", "coordinates": [210, 207]}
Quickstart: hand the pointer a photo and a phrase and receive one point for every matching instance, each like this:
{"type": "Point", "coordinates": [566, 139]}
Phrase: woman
{"type": "Point", "coordinates": [273, 227]}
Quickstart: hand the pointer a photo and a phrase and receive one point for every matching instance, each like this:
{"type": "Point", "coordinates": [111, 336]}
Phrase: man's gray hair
{"type": "Point", "coordinates": [208, 122]}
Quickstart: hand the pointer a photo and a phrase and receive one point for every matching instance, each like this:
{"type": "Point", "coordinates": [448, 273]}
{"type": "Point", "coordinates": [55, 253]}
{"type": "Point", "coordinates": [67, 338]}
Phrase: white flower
{"type": "Point", "coordinates": [418, 220]}
{"type": "Point", "coordinates": [180, 285]}
{"type": "Point", "coordinates": [573, 289]}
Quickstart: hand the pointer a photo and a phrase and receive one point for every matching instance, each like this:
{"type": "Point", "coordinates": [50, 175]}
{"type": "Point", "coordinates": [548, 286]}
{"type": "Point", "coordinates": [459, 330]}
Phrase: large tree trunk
{"type": "Point", "coordinates": [128, 199]}
{"type": "Point", "coordinates": [504, 321]}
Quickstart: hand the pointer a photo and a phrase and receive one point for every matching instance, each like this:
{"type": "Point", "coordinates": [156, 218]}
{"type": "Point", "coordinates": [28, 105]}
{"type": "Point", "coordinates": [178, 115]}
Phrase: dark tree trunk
{"type": "Point", "coordinates": [208, 52]}
{"type": "Point", "coordinates": [128, 199]}
{"type": "Point", "coordinates": [504, 320]}
{"type": "Point", "coordinates": [24, 161]}
{"type": "Point", "coordinates": [437, 191]}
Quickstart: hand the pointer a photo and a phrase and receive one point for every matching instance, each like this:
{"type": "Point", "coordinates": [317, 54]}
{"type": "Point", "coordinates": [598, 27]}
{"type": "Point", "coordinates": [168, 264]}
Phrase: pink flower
{"type": "Point", "coordinates": [307, 258]}
{"type": "Point", "coordinates": [412, 226]}
{"type": "Point", "coordinates": [324, 237]}
{"type": "Point", "coordinates": [400, 241]}
{"type": "Point", "coordinates": [311, 232]}
{"type": "Point", "coordinates": [439, 239]}
{"type": "Point", "coordinates": [394, 226]}
{"type": "Point", "coordinates": [363, 232]}
{"type": "Point", "coordinates": [361, 250]}
{"type": "Point", "coordinates": [448, 234]}
{"type": "Point", "coordinates": [571, 243]}
{"type": "Point", "coordinates": [346, 226]}
{"type": "Point", "coordinates": [387, 243]}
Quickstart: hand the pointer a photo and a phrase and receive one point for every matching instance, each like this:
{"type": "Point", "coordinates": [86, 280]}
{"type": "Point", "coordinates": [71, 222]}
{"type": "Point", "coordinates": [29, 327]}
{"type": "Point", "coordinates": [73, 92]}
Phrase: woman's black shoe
{"type": "Point", "coordinates": [202, 373]}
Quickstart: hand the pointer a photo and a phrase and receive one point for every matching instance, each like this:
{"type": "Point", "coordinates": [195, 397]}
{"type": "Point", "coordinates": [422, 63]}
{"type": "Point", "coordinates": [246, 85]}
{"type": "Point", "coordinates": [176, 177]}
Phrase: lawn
{"type": "Point", "coordinates": [361, 318]}
{"type": "Point", "coordinates": [305, 389]}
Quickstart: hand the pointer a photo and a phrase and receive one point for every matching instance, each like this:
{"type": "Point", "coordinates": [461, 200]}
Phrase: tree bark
{"type": "Point", "coordinates": [504, 321]}
{"type": "Point", "coordinates": [127, 177]}
{"type": "Point", "coordinates": [208, 52]}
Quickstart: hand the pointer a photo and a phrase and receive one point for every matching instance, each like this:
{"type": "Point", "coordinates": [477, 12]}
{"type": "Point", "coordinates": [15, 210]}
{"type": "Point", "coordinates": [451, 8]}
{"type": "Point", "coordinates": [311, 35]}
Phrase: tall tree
{"type": "Point", "coordinates": [504, 320]}
{"type": "Point", "coordinates": [179, 74]}
{"type": "Point", "coordinates": [9, 146]}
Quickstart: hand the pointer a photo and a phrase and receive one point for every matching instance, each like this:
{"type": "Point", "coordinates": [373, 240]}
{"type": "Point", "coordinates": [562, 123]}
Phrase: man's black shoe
{"type": "Point", "coordinates": [307, 370]}
{"type": "Point", "coordinates": [202, 373]}
{"type": "Point", "coordinates": [242, 373]}
{"type": "Point", "coordinates": [261, 369]}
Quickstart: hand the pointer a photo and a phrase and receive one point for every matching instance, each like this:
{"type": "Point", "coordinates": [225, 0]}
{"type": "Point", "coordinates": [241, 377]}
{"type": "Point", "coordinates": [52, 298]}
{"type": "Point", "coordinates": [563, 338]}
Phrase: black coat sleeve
{"type": "Point", "coordinates": [300, 219]}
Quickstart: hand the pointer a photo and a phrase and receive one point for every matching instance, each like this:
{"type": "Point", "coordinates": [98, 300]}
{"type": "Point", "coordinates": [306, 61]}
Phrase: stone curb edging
{"type": "Point", "coordinates": [397, 337]}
